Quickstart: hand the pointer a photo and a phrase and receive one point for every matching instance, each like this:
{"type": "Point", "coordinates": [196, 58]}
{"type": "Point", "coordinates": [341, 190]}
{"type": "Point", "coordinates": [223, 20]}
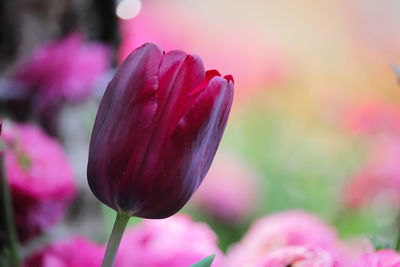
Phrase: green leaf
{"type": "Point", "coordinates": [206, 262]}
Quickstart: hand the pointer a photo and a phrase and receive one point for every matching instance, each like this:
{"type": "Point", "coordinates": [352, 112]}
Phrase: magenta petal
{"type": "Point", "coordinates": [189, 152]}
{"type": "Point", "coordinates": [209, 75]}
{"type": "Point", "coordinates": [129, 104]}
{"type": "Point", "coordinates": [229, 78]}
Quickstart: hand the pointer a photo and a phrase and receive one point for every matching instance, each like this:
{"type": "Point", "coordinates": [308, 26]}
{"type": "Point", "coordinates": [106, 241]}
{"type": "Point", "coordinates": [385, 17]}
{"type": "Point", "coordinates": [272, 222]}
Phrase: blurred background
{"type": "Point", "coordinates": [316, 118]}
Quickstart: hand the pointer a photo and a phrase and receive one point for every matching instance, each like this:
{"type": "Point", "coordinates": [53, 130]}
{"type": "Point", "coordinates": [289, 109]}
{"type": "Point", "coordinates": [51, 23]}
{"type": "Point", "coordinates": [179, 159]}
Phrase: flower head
{"type": "Point", "coordinates": [372, 118]}
{"type": "Point", "coordinates": [381, 258]}
{"type": "Point", "coordinates": [40, 178]}
{"type": "Point", "coordinates": [381, 174]}
{"type": "Point", "coordinates": [293, 228]}
{"type": "Point", "coordinates": [298, 256]}
{"type": "Point", "coordinates": [63, 70]}
{"type": "Point", "coordinates": [77, 252]}
{"type": "Point", "coordinates": [176, 241]}
{"type": "Point", "coordinates": [156, 132]}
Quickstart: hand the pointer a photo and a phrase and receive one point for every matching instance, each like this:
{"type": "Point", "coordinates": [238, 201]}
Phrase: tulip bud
{"type": "Point", "coordinates": [157, 130]}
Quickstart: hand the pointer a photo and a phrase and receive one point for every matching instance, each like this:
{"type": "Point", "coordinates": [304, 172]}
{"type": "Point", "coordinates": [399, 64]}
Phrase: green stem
{"type": "Point", "coordinates": [397, 244]}
{"type": "Point", "coordinates": [116, 235]}
{"type": "Point", "coordinates": [397, 247]}
{"type": "Point", "coordinates": [8, 216]}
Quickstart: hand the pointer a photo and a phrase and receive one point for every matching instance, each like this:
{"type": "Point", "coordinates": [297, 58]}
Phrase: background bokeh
{"type": "Point", "coordinates": [316, 117]}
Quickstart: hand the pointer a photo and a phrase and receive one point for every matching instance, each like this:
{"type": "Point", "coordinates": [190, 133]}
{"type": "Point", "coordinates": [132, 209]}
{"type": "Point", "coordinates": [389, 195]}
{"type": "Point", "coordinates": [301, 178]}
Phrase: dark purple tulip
{"type": "Point", "coordinates": [157, 130]}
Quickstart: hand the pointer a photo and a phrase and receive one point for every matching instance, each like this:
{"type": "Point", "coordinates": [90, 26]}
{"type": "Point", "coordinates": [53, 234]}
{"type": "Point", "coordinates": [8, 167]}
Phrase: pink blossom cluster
{"type": "Point", "coordinates": [382, 258]}
{"type": "Point", "coordinates": [173, 242]}
{"type": "Point", "coordinates": [76, 252]}
{"type": "Point", "coordinates": [176, 241]}
{"type": "Point", "coordinates": [300, 239]}
{"type": "Point", "coordinates": [379, 124]}
{"type": "Point", "coordinates": [41, 194]}
{"type": "Point", "coordinates": [63, 70]}
{"type": "Point", "coordinates": [380, 175]}
{"type": "Point", "coordinates": [293, 238]}
{"type": "Point", "coordinates": [287, 235]}
{"type": "Point", "coordinates": [40, 178]}
{"type": "Point", "coordinates": [372, 119]}
{"type": "Point", "coordinates": [299, 256]}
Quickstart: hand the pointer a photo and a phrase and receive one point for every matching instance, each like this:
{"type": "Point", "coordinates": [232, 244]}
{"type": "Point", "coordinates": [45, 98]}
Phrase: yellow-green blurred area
{"type": "Point", "coordinates": [332, 55]}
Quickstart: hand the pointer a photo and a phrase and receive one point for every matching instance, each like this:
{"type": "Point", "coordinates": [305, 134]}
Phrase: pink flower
{"type": "Point", "coordinates": [63, 70]}
{"type": "Point", "coordinates": [292, 228]}
{"type": "Point", "coordinates": [381, 258]}
{"type": "Point", "coordinates": [173, 242]}
{"type": "Point", "coordinates": [77, 252]}
{"type": "Point", "coordinates": [298, 256]}
{"type": "Point", "coordinates": [230, 191]}
{"type": "Point", "coordinates": [40, 178]}
{"type": "Point", "coordinates": [198, 34]}
{"type": "Point", "coordinates": [381, 174]}
{"type": "Point", "coordinates": [372, 119]}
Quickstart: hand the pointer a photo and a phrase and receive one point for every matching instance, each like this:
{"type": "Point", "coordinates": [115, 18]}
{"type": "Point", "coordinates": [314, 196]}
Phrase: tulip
{"type": "Point", "coordinates": [156, 132]}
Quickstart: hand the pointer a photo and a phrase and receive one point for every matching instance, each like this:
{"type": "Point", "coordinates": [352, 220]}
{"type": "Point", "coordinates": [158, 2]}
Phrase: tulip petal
{"type": "Point", "coordinates": [190, 150]}
{"type": "Point", "coordinates": [134, 109]}
{"type": "Point", "coordinates": [209, 75]}
{"type": "Point", "coordinates": [179, 74]}
{"type": "Point", "coordinates": [157, 131]}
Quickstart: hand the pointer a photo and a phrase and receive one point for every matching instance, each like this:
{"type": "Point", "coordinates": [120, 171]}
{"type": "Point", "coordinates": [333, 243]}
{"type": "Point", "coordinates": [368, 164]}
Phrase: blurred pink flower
{"type": "Point", "coordinates": [292, 228]}
{"type": "Point", "coordinates": [173, 242]}
{"type": "Point", "coordinates": [381, 258]}
{"type": "Point", "coordinates": [372, 118]}
{"type": "Point", "coordinates": [380, 174]}
{"type": "Point", "coordinates": [298, 256]}
{"type": "Point", "coordinates": [40, 178]}
{"type": "Point", "coordinates": [230, 191]}
{"type": "Point", "coordinates": [77, 252]}
{"type": "Point", "coordinates": [63, 70]}
{"type": "Point", "coordinates": [355, 246]}
{"type": "Point", "coordinates": [255, 65]}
